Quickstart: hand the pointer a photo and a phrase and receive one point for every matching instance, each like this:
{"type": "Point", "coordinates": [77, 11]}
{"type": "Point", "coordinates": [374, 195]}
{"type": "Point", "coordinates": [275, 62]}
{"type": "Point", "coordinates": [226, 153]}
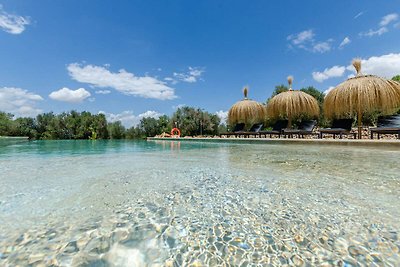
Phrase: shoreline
{"type": "Point", "coordinates": [342, 142]}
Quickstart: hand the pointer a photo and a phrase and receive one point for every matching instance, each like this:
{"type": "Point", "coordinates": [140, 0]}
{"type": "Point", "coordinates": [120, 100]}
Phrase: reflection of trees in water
{"type": "Point", "coordinates": [169, 145]}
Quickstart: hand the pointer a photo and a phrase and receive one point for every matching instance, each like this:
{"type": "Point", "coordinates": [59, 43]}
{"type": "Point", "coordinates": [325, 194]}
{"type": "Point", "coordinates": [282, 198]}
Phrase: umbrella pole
{"type": "Point", "coordinates": [359, 117]}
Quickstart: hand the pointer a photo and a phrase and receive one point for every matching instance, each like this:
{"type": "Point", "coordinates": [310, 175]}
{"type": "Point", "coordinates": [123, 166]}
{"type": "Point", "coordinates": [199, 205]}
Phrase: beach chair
{"type": "Point", "coordinates": [387, 125]}
{"type": "Point", "coordinates": [254, 130]}
{"type": "Point", "coordinates": [276, 129]}
{"type": "Point", "coordinates": [238, 128]}
{"type": "Point", "coordinates": [305, 128]}
{"type": "Point", "coordinates": [339, 127]}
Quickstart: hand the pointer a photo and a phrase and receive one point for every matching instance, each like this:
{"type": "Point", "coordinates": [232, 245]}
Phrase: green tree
{"type": "Point", "coordinates": [43, 125]}
{"type": "Point", "coordinates": [319, 96]}
{"type": "Point", "coordinates": [192, 121]}
{"type": "Point", "coordinates": [25, 127]}
{"type": "Point", "coordinates": [396, 78]}
{"type": "Point", "coordinates": [134, 133]}
{"type": "Point", "coordinates": [5, 123]}
{"type": "Point", "coordinates": [116, 130]}
{"type": "Point", "coordinates": [99, 126]}
{"type": "Point", "coordinates": [151, 126]}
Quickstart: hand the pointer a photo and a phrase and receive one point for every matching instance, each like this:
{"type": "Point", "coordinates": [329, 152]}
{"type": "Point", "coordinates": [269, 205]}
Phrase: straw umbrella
{"type": "Point", "coordinates": [246, 111]}
{"type": "Point", "coordinates": [361, 94]}
{"type": "Point", "coordinates": [291, 104]}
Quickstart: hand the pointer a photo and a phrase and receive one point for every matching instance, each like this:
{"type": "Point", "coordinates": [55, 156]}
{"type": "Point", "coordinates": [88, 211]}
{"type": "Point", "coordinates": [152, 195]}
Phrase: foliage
{"type": "Point", "coordinates": [116, 130]}
{"type": "Point", "coordinates": [84, 125]}
{"type": "Point", "coordinates": [5, 123]}
{"type": "Point", "coordinates": [396, 78]}
{"type": "Point", "coordinates": [319, 96]}
{"type": "Point", "coordinates": [194, 121]}
{"type": "Point", "coordinates": [152, 126]}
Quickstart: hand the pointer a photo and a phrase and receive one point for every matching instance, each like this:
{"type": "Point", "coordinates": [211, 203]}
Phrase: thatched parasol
{"type": "Point", "coordinates": [246, 111]}
{"type": "Point", "coordinates": [291, 104]}
{"type": "Point", "coordinates": [360, 94]}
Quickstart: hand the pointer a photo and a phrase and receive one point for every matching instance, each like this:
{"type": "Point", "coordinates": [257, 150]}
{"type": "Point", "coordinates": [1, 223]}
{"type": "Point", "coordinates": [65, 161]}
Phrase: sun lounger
{"type": "Point", "coordinates": [254, 130]}
{"type": "Point", "coordinates": [387, 125]}
{"type": "Point", "coordinates": [276, 129]}
{"type": "Point", "coordinates": [305, 128]}
{"type": "Point", "coordinates": [339, 127]}
{"type": "Point", "coordinates": [238, 128]}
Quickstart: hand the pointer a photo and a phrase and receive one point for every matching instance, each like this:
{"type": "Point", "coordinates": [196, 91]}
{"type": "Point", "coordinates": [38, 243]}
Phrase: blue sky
{"type": "Point", "coordinates": [131, 59]}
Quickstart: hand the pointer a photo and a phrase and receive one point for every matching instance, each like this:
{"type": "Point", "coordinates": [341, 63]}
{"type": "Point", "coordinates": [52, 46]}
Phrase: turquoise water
{"type": "Point", "coordinates": [126, 203]}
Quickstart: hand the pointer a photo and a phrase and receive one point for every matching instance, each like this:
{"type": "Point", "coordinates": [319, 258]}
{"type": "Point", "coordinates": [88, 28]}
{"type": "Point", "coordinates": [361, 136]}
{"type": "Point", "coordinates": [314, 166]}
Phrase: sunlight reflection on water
{"type": "Point", "coordinates": [121, 203]}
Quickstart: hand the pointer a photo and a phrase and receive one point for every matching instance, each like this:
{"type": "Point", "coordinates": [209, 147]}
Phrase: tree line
{"type": "Point", "coordinates": [85, 125]}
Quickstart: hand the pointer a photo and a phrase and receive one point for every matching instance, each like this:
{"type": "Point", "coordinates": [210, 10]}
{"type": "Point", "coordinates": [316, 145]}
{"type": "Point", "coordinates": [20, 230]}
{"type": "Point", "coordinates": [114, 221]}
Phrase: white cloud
{"type": "Point", "coordinates": [345, 42]}
{"type": "Point", "coordinates": [385, 66]}
{"type": "Point", "coordinates": [397, 25]}
{"type": "Point", "coordinates": [372, 32]}
{"type": "Point", "coordinates": [386, 20]}
{"type": "Point", "coordinates": [13, 24]}
{"type": "Point", "coordinates": [68, 95]}
{"type": "Point", "coordinates": [122, 81]}
{"type": "Point", "coordinates": [103, 92]}
{"type": "Point", "coordinates": [328, 90]}
{"type": "Point", "coordinates": [335, 71]}
{"type": "Point", "coordinates": [192, 76]}
{"type": "Point", "coordinates": [223, 115]}
{"type": "Point", "coordinates": [359, 15]}
{"type": "Point", "coordinates": [306, 40]}
{"type": "Point", "coordinates": [128, 119]}
{"type": "Point", "coordinates": [19, 102]}
{"type": "Point", "coordinates": [301, 37]}
{"type": "Point", "coordinates": [171, 80]}
{"type": "Point", "coordinates": [322, 47]}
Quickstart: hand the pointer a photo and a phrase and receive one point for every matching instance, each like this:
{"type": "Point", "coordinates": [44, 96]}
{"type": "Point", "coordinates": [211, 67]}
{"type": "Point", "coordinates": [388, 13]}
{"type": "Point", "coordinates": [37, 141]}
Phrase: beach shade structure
{"type": "Point", "coordinates": [362, 94]}
{"type": "Point", "coordinates": [291, 104]}
{"type": "Point", "coordinates": [246, 111]}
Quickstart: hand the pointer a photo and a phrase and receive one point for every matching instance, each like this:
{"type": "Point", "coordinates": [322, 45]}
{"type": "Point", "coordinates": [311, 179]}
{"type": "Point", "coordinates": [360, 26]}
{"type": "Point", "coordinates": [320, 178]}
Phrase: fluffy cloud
{"type": "Point", "coordinates": [103, 92]}
{"type": "Point", "coordinates": [301, 37]}
{"type": "Point", "coordinates": [322, 47]}
{"type": "Point", "coordinates": [13, 24]}
{"type": "Point", "coordinates": [345, 42]}
{"type": "Point", "coordinates": [191, 76]}
{"type": "Point", "coordinates": [171, 80]}
{"type": "Point", "coordinates": [223, 115]}
{"type": "Point", "coordinates": [384, 66]}
{"type": "Point", "coordinates": [372, 32]}
{"type": "Point", "coordinates": [122, 81]}
{"type": "Point", "coordinates": [71, 96]}
{"type": "Point", "coordinates": [128, 119]}
{"type": "Point", "coordinates": [335, 71]}
{"type": "Point", "coordinates": [386, 20]}
{"type": "Point", "coordinates": [19, 102]}
{"type": "Point", "coordinates": [306, 40]}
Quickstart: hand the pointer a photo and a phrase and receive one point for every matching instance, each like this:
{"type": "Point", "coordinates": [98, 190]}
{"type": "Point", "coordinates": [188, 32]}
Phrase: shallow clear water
{"type": "Point", "coordinates": [123, 203]}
